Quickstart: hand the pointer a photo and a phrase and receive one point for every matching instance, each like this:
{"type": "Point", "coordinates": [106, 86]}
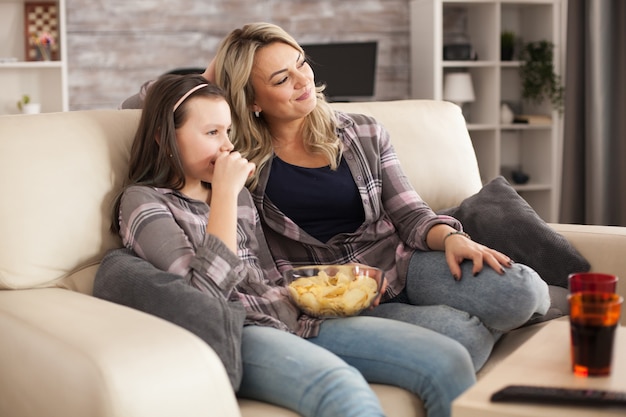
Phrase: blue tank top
{"type": "Point", "coordinates": [322, 202]}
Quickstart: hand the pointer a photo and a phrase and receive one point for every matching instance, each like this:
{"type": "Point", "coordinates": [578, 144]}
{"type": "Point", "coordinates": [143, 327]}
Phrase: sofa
{"type": "Point", "coordinates": [66, 353]}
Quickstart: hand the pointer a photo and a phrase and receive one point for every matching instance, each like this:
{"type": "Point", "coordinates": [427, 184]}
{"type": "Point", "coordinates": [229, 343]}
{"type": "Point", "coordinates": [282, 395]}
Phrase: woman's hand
{"type": "Point", "coordinates": [383, 289]}
{"type": "Point", "coordinates": [459, 247]}
{"type": "Point", "coordinates": [209, 72]}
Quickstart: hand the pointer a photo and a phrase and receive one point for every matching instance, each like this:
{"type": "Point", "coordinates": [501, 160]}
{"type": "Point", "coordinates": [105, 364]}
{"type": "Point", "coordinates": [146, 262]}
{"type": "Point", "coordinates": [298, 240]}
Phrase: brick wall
{"type": "Point", "coordinates": [115, 45]}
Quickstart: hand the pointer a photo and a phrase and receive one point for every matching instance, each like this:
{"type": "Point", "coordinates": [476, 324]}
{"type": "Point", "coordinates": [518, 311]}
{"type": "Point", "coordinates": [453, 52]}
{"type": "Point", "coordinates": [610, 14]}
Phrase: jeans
{"type": "Point", "coordinates": [328, 375]}
{"type": "Point", "coordinates": [474, 311]}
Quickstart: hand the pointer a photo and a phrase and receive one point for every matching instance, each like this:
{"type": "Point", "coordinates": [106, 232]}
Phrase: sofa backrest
{"type": "Point", "coordinates": [60, 172]}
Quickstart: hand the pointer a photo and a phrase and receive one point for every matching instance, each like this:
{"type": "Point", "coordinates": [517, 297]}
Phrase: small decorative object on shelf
{"type": "Point", "coordinates": [458, 48]}
{"type": "Point", "coordinates": [26, 107]}
{"type": "Point", "coordinates": [515, 175]}
{"type": "Point", "coordinates": [507, 45]}
{"type": "Point", "coordinates": [520, 177]}
{"type": "Point", "coordinates": [533, 119]}
{"type": "Point", "coordinates": [506, 114]}
{"type": "Point", "coordinates": [41, 30]}
{"type": "Point", "coordinates": [456, 42]}
{"type": "Point", "coordinates": [43, 46]}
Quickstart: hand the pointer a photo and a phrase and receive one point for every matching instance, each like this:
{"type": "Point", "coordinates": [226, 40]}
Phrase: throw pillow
{"type": "Point", "coordinates": [499, 218]}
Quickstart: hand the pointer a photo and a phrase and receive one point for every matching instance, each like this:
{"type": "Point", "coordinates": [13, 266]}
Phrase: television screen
{"type": "Point", "coordinates": [348, 69]}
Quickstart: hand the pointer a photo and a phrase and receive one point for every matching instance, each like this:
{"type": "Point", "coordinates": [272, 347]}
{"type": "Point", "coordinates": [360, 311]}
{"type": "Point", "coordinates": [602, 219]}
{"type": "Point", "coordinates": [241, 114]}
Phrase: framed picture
{"type": "Point", "coordinates": [41, 31]}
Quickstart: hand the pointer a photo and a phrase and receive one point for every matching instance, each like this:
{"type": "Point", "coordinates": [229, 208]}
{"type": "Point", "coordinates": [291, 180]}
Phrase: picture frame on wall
{"type": "Point", "coordinates": [41, 31]}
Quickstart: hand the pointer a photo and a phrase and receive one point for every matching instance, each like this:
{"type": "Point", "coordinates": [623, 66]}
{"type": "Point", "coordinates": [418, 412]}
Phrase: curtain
{"type": "Point", "coordinates": [593, 189]}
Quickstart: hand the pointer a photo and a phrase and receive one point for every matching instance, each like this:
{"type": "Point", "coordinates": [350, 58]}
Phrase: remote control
{"type": "Point", "coordinates": [561, 396]}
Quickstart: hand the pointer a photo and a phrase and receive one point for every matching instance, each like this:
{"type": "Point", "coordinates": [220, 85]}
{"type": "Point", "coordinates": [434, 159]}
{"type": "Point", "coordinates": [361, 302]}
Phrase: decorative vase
{"type": "Point", "coordinates": [43, 53]}
{"type": "Point", "coordinates": [31, 108]}
{"type": "Point", "coordinates": [506, 114]}
{"type": "Point", "coordinates": [506, 53]}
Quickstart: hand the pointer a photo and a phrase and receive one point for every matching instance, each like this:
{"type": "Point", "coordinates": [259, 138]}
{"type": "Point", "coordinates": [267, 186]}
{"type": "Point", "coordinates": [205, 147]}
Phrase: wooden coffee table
{"type": "Point", "coordinates": [543, 360]}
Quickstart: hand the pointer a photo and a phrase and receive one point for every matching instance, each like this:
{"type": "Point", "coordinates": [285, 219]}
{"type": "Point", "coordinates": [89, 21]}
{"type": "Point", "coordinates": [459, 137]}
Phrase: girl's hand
{"type": "Point", "coordinates": [231, 172]}
{"type": "Point", "coordinates": [229, 177]}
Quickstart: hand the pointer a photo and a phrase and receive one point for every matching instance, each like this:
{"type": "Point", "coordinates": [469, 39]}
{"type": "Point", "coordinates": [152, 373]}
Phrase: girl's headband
{"type": "Point", "coordinates": [187, 94]}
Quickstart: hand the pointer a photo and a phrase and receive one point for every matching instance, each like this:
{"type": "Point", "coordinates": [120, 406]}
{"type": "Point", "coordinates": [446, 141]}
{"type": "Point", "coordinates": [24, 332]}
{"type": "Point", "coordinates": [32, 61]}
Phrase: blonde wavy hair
{"type": "Point", "coordinates": [251, 135]}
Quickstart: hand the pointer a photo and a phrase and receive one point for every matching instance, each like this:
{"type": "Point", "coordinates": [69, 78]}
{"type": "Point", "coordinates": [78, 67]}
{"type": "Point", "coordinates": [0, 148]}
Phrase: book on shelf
{"type": "Point", "coordinates": [533, 119]}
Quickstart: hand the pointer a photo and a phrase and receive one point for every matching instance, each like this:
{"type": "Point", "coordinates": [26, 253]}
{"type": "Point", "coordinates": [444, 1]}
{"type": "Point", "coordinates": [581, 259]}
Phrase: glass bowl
{"type": "Point", "coordinates": [334, 290]}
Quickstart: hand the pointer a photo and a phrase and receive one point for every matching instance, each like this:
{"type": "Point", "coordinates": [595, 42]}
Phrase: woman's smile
{"type": "Point", "coordinates": [305, 95]}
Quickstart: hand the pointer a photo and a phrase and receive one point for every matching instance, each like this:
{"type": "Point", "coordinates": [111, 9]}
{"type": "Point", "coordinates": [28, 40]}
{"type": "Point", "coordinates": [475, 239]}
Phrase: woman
{"type": "Point", "coordinates": [185, 210]}
{"type": "Point", "coordinates": [329, 189]}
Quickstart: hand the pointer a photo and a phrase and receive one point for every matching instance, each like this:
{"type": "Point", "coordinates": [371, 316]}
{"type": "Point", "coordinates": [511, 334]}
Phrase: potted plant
{"type": "Point", "coordinates": [507, 45]}
{"type": "Point", "coordinates": [539, 81]}
{"type": "Point", "coordinates": [26, 107]}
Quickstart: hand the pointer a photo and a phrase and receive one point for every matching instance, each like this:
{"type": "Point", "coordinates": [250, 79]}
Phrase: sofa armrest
{"type": "Point", "coordinates": [68, 354]}
{"type": "Point", "coordinates": [603, 246]}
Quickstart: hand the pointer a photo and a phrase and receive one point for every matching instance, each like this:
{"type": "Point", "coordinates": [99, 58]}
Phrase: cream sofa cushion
{"type": "Point", "coordinates": [80, 156]}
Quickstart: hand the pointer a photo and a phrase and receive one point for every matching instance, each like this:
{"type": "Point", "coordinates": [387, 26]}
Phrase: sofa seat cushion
{"type": "Point", "coordinates": [396, 402]}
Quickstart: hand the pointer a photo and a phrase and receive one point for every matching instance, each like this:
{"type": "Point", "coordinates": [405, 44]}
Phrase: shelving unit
{"type": "Point", "coordinates": [44, 81]}
{"type": "Point", "coordinates": [500, 148]}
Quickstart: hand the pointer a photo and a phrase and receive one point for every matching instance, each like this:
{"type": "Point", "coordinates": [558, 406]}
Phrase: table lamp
{"type": "Point", "coordinates": [458, 88]}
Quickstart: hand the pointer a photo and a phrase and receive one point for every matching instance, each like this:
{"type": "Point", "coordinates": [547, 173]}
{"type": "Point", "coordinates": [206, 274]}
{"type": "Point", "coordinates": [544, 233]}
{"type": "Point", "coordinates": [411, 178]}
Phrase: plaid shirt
{"type": "Point", "coordinates": [396, 223]}
{"type": "Point", "coordinates": [168, 229]}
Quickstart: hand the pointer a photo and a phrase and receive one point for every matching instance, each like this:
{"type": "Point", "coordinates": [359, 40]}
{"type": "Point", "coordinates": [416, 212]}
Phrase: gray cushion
{"type": "Point", "coordinates": [126, 279]}
{"type": "Point", "coordinates": [498, 217]}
